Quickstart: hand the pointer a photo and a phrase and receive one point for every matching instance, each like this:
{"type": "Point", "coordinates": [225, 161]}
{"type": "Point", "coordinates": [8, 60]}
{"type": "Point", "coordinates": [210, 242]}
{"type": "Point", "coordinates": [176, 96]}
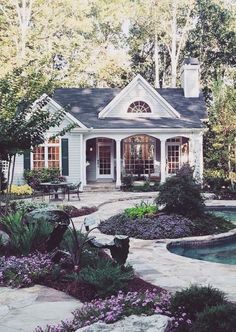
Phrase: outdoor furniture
{"type": "Point", "coordinates": [74, 190]}
{"type": "Point", "coordinates": [55, 190]}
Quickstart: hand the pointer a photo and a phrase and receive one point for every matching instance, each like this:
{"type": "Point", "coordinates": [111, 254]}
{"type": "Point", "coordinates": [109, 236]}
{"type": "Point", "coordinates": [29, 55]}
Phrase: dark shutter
{"type": "Point", "coordinates": [65, 156]}
{"type": "Point", "coordinates": [27, 160]}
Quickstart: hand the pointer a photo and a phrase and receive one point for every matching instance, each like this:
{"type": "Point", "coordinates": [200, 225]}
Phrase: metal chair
{"type": "Point", "coordinates": [75, 189]}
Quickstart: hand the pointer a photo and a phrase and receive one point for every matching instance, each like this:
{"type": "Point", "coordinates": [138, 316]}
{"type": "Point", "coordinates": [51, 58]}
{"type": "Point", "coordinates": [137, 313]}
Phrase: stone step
{"type": "Point", "coordinates": [101, 187]}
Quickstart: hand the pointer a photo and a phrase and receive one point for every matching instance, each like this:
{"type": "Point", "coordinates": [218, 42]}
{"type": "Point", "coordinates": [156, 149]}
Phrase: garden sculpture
{"type": "Point", "coordinates": [59, 218]}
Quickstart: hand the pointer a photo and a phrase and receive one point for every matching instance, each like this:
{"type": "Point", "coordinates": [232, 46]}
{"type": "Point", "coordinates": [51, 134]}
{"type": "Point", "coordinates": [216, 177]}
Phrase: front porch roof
{"type": "Point", "coordinates": [85, 104]}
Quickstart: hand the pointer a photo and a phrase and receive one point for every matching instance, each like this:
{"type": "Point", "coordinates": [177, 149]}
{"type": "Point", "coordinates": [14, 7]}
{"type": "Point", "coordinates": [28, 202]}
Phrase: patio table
{"type": "Point", "coordinates": [55, 186]}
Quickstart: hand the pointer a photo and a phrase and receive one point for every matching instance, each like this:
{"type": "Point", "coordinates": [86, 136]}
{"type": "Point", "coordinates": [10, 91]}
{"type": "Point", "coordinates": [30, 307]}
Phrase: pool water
{"type": "Point", "coordinates": [227, 214]}
{"type": "Point", "coordinates": [219, 253]}
{"type": "Point", "coordinates": [223, 252]}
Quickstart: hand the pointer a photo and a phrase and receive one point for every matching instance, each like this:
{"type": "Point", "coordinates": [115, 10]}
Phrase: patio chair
{"type": "Point", "coordinates": [74, 190]}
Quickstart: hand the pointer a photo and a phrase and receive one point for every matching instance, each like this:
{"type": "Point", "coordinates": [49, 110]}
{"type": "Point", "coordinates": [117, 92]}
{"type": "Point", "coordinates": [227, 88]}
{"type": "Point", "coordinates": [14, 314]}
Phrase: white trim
{"type": "Point", "coordinates": [54, 105]}
{"type": "Point", "coordinates": [138, 79]}
{"type": "Point", "coordinates": [105, 176]}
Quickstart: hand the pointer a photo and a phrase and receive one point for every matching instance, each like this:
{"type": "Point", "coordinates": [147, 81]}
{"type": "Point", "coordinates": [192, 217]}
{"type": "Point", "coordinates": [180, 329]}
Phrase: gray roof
{"type": "Point", "coordinates": [85, 104]}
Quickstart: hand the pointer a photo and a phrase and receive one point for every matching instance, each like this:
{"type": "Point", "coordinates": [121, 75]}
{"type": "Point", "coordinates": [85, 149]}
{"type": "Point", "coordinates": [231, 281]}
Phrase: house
{"type": "Point", "coordinates": [137, 129]}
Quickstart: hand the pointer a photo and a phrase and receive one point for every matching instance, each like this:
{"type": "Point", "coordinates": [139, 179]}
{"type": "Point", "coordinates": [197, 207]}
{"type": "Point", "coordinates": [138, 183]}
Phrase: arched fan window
{"type": "Point", "coordinates": [139, 107]}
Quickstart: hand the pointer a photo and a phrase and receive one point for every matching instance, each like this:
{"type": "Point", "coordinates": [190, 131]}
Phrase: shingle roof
{"type": "Point", "coordinates": [85, 104]}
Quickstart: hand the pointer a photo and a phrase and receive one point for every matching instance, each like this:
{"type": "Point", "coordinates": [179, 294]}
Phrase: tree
{"type": "Point", "coordinates": [213, 40]}
{"type": "Point", "coordinates": [24, 117]}
{"type": "Point", "coordinates": [75, 39]}
{"type": "Point", "coordinates": [159, 33]}
{"type": "Point", "coordinates": [220, 140]}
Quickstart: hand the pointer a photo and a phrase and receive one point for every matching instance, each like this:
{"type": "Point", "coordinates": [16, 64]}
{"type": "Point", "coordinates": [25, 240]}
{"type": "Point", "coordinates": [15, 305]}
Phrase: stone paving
{"type": "Point", "coordinates": [24, 309]}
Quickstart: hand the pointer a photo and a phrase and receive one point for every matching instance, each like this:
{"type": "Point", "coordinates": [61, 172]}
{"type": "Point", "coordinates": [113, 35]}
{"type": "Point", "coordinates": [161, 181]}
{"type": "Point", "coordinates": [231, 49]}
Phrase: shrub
{"type": "Point", "coordinates": [108, 277]}
{"type": "Point", "coordinates": [34, 177]}
{"type": "Point", "coordinates": [219, 318]}
{"type": "Point", "coordinates": [26, 206]}
{"type": "Point", "coordinates": [3, 182]}
{"type": "Point", "coordinates": [114, 308]}
{"type": "Point", "coordinates": [210, 224]}
{"type": "Point", "coordinates": [73, 211]}
{"type": "Point", "coordinates": [215, 179]}
{"type": "Point", "coordinates": [148, 227]}
{"type": "Point", "coordinates": [81, 253]}
{"type": "Point", "coordinates": [181, 194]}
{"type": "Point", "coordinates": [127, 181]}
{"type": "Point", "coordinates": [24, 271]}
{"type": "Point", "coordinates": [21, 190]}
{"type": "Point", "coordinates": [140, 210]}
{"type": "Point", "coordinates": [196, 299]}
{"type": "Point", "coordinates": [25, 238]}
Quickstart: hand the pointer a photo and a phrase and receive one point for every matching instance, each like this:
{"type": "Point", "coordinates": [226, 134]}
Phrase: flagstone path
{"type": "Point", "coordinates": [22, 310]}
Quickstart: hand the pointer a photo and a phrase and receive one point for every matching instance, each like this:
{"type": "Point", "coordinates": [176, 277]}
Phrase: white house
{"type": "Point", "coordinates": [138, 130]}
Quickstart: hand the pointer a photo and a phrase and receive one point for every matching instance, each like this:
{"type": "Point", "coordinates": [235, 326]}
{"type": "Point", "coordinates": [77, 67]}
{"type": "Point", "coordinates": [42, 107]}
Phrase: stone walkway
{"type": "Point", "coordinates": [24, 309]}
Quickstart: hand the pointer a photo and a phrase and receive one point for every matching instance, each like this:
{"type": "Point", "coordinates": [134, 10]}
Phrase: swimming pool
{"type": "Point", "coordinates": [228, 213]}
{"type": "Point", "coordinates": [222, 252]}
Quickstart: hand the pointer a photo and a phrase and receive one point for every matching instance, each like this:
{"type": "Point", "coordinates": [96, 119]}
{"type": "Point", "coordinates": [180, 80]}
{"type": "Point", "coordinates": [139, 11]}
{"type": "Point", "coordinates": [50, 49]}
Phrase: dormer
{"type": "Point", "coordinates": [138, 100]}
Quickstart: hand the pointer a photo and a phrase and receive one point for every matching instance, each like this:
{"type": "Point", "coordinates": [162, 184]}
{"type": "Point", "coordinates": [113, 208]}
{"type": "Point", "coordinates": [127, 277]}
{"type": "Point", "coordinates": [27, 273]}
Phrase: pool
{"type": "Point", "coordinates": [222, 251]}
{"type": "Point", "coordinates": [227, 213]}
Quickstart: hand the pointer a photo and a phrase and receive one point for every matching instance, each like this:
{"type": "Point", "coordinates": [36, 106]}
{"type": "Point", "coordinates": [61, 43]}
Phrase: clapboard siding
{"type": "Point", "coordinates": [139, 92]}
{"type": "Point", "coordinates": [75, 157]}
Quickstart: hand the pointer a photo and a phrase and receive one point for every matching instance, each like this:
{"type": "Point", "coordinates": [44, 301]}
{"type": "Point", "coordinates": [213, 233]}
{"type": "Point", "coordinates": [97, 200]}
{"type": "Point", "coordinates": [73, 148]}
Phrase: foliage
{"type": "Point", "coordinates": [35, 176]}
{"type": "Point", "coordinates": [24, 271]}
{"type": "Point", "coordinates": [196, 299]}
{"type": "Point", "coordinates": [3, 181]}
{"type": "Point", "coordinates": [140, 210]}
{"type": "Point", "coordinates": [26, 205]}
{"type": "Point", "coordinates": [21, 190]}
{"type": "Point", "coordinates": [25, 238]}
{"type": "Point", "coordinates": [220, 138]}
{"type": "Point", "coordinates": [212, 39]}
{"type": "Point", "coordinates": [74, 245]}
{"type": "Point", "coordinates": [108, 277]}
{"type": "Point", "coordinates": [218, 318]}
{"type": "Point", "coordinates": [215, 179]}
{"type": "Point", "coordinates": [148, 228]}
{"type": "Point", "coordinates": [73, 211]}
{"type": "Point", "coordinates": [146, 187]}
{"type": "Point", "coordinates": [113, 309]}
{"type": "Point", "coordinates": [210, 224]}
{"type": "Point", "coordinates": [127, 181]}
{"type": "Point", "coordinates": [181, 194]}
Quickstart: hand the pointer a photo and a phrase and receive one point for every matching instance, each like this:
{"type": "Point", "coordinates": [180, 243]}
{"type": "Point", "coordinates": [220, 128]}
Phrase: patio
{"type": "Point", "coordinates": [24, 309]}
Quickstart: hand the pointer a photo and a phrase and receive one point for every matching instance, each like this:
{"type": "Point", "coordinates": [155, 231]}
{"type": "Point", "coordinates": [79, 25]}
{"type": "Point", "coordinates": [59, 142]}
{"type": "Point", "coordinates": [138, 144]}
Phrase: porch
{"type": "Point", "coordinates": [108, 158]}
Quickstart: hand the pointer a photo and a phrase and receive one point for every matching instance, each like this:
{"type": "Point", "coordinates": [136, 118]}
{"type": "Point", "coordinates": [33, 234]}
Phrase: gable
{"type": "Point", "coordinates": [68, 119]}
{"type": "Point", "coordinates": [139, 90]}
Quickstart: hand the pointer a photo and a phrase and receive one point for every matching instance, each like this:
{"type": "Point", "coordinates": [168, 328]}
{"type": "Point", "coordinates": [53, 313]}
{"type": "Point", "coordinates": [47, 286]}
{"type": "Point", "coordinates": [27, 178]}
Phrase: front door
{"type": "Point", "coordinates": [105, 160]}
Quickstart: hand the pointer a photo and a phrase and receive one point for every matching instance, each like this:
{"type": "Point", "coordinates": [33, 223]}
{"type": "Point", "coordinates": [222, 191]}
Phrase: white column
{"type": "Point", "coordinates": [198, 158]}
{"type": "Point", "coordinates": [163, 159]}
{"type": "Point", "coordinates": [83, 158]}
{"type": "Point", "coordinates": [118, 163]}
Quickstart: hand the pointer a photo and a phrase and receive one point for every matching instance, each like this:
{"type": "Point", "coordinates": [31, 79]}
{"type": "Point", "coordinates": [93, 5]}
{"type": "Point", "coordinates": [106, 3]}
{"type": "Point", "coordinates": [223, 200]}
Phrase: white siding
{"type": "Point", "coordinates": [75, 157]}
{"type": "Point", "coordinates": [19, 170]}
{"type": "Point", "coordinates": [139, 92]}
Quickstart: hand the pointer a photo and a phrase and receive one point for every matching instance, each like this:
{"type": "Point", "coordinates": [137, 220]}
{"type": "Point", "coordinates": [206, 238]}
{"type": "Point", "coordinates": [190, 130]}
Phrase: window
{"type": "Point", "coordinates": [4, 166]}
{"type": "Point", "coordinates": [173, 158]}
{"type": "Point", "coordinates": [47, 155]}
{"type": "Point", "coordinates": [139, 154]}
{"type": "Point", "coordinates": [139, 107]}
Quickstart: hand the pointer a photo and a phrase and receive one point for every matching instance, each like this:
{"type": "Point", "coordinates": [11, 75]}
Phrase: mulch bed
{"type": "Point", "coordinates": [86, 293]}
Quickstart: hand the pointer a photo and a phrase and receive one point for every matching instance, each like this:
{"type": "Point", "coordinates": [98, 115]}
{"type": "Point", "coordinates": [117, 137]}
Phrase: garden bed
{"type": "Point", "coordinates": [161, 226]}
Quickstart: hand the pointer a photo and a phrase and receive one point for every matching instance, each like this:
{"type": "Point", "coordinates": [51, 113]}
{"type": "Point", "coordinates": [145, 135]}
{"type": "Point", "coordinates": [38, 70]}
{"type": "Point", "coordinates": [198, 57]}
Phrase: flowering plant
{"type": "Point", "coordinates": [21, 190]}
{"type": "Point", "coordinates": [24, 271]}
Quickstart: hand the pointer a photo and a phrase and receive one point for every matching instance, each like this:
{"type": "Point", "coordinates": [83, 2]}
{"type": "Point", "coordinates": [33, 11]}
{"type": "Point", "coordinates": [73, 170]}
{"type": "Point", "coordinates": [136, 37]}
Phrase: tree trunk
{"type": "Point", "coordinates": [156, 62]}
{"type": "Point", "coordinates": [173, 54]}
